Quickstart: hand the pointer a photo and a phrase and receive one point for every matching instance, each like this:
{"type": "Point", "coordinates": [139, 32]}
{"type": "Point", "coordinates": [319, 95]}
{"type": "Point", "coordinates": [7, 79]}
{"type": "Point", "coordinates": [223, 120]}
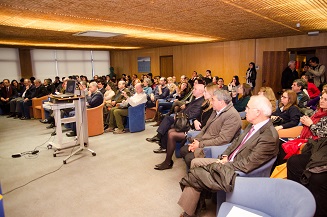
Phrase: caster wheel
{"type": "Point", "coordinates": [94, 154]}
{"type": "Point", "coordinates": [54, 155]}
{"type": "Point", "coordinates": [64, 162]}
{"type": "Point", "coordinates": [85, 144]}
{"type": "Point", "coordinates": [49, 146]}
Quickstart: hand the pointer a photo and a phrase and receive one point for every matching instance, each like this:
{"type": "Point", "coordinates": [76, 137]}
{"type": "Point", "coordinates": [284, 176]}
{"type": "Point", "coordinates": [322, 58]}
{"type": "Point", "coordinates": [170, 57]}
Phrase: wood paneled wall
{"type": "Point", "coordinates": [224, 59]}
{"type": "Point", "coordinates": [25, 63]}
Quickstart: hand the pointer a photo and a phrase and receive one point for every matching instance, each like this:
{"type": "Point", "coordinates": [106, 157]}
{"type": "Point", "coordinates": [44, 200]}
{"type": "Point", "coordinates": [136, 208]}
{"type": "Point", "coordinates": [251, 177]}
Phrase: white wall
{"type": "Point", "coordinates": [50, 63]}
{"type": "Point", "coordinates": [9, 64]}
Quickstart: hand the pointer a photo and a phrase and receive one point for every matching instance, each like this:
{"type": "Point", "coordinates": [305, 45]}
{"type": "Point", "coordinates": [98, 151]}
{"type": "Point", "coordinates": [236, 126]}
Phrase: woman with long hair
{"type": "Point", "coordinates": [242, 97]}
{"type": "Point", "coordinates": [173, 136]}
{"type": "Point", "coordinates": [270, 95]}
{"type": "Point", "coordinates": [309, 167]}
{"type": "Point", "coordinates": [233, 85]}
{"type": "Point", "coordinates": [287, 115]}
{"type": "Point", "coordinates": [251, 75]}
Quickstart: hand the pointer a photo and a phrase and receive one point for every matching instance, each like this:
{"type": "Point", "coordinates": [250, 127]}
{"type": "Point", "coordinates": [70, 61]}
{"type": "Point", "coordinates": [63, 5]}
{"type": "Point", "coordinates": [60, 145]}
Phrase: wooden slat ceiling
{"type": "Point", "coordinates": [154, 23]}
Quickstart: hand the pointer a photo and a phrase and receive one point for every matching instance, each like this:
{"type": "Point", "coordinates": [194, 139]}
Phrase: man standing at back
{"type": "Point", "coordinates": [317, 71]}
{"type": "Point", "coordinates": [289, 75]}
{"type": "Point", "coordinates": [255, 147]}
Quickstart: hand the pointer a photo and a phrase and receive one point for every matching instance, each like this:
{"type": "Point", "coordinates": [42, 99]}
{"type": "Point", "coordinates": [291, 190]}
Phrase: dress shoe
{"type": "Point", "coordinates": [171, 163]}
{"type": "Point", "coordinates": [118, 131]}
{"type": "Point", "coordinates": [50, 126]}
{"type": "Point", "coordinates": [11, 115]}
{"type": "Point", "coordinates": [153, 139]}
{"type": "Point", "coordinates": [44, 121]}
{"type": "Point", "coordinates": [164, 166]}
{"type": "Point", "coordinates": [24, 118]}
{"type": "Point", "coordinates": [109, 130]}
{"type": "Point", "coordinates": [53, 133]}
{"type": "Point", "coordinates": [105, 126]}
{"type": "Point", "coordinates": [71, 134]}
{"type": "Point", "coordinates": [160, 150]}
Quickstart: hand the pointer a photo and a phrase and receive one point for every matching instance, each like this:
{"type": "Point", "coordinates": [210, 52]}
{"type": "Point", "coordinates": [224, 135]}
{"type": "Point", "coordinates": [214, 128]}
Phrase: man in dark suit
{"type": "Point", "coordinates": [7, 93]}
{"type": "Point", "coordinates": [256, 146]}
{"type": "Point", "coordinates": [38, 90]}
{"type": "Point", "coordinates": [192, 110]}
{"type": "Point", "coordinates": [94, 99]}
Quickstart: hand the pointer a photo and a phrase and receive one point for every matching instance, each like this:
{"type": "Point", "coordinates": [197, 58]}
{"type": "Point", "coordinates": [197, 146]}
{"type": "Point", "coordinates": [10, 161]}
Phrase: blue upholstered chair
{"type": "Point", "coordinates": [268, 197]}
{"type": "Point", "coordinates": [135, 120]}
{"type": "Point", "coordinates": [2, 212]}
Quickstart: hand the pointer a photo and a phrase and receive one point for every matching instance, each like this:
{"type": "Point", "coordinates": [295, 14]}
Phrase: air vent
{"type": "Point", "coordinates": [97, 34]}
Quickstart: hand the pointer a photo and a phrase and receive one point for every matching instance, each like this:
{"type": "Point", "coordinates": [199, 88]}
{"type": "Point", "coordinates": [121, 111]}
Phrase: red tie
{"type": "Point", "coordinates": [231, 156]}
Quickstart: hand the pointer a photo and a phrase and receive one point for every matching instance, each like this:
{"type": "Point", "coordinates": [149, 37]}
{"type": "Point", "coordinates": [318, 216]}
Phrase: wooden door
{"type": "Point", "coordinates": [166, 66]}
{"type": "Point", "coordinates": [322, 55]}
{"type": "Point", "coordinates": [274, 63]}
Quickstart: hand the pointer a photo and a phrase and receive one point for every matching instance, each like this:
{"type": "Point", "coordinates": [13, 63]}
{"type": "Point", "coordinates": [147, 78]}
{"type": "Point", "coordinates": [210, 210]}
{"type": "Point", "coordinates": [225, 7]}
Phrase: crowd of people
{"type": "Point", "coordinates": [213, 111]}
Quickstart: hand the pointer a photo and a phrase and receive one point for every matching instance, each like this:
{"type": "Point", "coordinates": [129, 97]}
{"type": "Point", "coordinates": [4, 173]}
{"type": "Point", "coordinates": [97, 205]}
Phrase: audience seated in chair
{"type": "Point", "coordinates": [245, 91]}
{"type": "Point", "coordinates": [118, 113]}
{"type": "Point", "coordinates": [287, 114]}
{"type": "Point", "coordinates": [192, 111]}
{"type": "Point", "coordinates": [7, 93]}
{"type": "Point", "coordinates": [256, 146]}
{"type": "Point", "coordinates": [222, 127]}
{"type": "Point", "coordinates": [34, 91]}
{"type": "Point", "coordinates": [172, 137]}
{"type": "Point", "coordinates": [94, 99]}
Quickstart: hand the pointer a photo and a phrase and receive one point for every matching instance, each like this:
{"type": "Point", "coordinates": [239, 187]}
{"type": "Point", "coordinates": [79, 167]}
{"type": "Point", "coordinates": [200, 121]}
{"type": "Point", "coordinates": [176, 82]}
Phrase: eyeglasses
{"type": "Point", "coordinates": [248, 108]}
{"type": "Point", "coordinates": [322, 98]}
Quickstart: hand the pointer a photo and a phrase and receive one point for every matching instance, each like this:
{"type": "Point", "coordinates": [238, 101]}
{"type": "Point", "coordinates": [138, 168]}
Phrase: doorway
{"type": "Point", "coordinates": [166, 66]}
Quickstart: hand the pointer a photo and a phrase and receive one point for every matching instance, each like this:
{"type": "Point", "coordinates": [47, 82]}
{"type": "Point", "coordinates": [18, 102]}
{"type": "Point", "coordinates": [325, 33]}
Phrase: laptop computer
{"type": "Point", "coordinates": [70, 90]}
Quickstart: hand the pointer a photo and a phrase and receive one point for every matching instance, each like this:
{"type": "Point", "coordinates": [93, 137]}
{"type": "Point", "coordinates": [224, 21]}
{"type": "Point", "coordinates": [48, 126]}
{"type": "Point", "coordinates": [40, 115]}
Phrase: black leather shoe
{"type": "Point", "coordinates": [44, 121]}
{"type": "Point", "coordinates": [71, 134]}
{"type": "Point", "coordinates": [53, 133]}
{"type": "Point", "coordinates": [153, 139]}
{"type": "Point", "coordinates": [11, 115]}
{"type": "Point", "coordinates": [165, 166]}
{"type": "Point", "coordinates": [171, 163]}
{"type": "Point", "coordinates": [50, 126]}
{"type": "Point", "coordinates": [24, 118]}
{"type": "Point", "coordinates": [160, 150]}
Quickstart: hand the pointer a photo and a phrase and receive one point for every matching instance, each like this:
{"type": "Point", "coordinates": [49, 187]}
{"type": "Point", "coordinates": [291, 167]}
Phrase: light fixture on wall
{"type": "Point", "coordinates": [313, 33]}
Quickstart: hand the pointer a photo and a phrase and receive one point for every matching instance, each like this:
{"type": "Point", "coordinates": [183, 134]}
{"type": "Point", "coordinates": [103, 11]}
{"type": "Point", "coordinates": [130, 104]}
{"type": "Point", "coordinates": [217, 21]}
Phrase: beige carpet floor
{"type": "Point", "coordinates": [119, 181]}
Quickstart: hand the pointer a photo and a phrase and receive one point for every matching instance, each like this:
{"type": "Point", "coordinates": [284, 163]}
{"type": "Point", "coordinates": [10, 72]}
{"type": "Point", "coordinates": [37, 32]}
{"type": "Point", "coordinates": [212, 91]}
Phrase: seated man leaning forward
{"type": "Point", "coordinates": [253, 148]}
{"type": "Point", "coordinates": [94, 99]}
{"type": "Point", "coordinates": [118, 113]}
{"type": "Point", "coordinates": [222, 127]}
{"type": "Point", "coordinates": [192, 111]}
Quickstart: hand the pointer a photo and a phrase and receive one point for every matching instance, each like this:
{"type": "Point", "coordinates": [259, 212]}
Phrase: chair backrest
{"type": "Point", "coordinates": [273, 197]}
{"type": "Point", "coordinates": [136, 118]}
{"type": "Point", "coordinates": [95, 120]}
{"type": "Point", "coordinates": [263, 171]}
{"type": "Point", "coordinates": [290, 132]}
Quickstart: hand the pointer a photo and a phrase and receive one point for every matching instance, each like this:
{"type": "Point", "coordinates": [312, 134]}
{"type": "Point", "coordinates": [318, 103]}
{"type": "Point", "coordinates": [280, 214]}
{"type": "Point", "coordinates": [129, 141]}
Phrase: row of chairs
{"type": "Point", "coordinates": [135, 122]}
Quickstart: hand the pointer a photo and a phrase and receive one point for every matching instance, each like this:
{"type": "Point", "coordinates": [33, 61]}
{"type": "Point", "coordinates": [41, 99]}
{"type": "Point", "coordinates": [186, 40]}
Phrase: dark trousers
{"type": "Point", "coordinates": [317, 181]}
{"type": "Point", "coordinates": [26, 108]}
{"type": "Point", "coordinates": [165, 125]}
{"type": "Point", "coordinates": [5, 106]}
{"type": "Point", "coordinates": [187, 155]}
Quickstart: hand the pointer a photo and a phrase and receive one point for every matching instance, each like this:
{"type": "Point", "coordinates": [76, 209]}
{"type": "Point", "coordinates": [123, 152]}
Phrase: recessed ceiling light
{"type": "Point", "coordinates": [97, 34]}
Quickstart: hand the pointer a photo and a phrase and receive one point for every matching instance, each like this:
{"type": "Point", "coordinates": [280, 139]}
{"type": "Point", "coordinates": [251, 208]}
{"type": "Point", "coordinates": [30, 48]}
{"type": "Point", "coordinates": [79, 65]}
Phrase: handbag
{"type": "Point", "coordinates": [181, 123]}
{"type": "Point", "coordinates": [278, 121]}
{"type": "Point", "coordinates": [292, 147]}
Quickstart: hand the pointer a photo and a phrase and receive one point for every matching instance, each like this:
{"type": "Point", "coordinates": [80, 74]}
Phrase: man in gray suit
{"type": "Point", "coordinates": [222, 127]}
{"type": "Point", "coordinates": [256, 146]}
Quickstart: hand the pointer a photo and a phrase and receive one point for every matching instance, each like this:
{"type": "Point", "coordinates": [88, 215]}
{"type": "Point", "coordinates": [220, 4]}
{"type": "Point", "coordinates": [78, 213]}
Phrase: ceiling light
{"type": "Point", "coordinates": [97, 34]}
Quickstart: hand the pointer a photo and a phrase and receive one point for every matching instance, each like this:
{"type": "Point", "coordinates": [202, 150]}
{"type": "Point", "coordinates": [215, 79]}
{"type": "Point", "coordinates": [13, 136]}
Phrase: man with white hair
{"type": "Point", "coordinates": [256, 146]}
{"type": "Point", "coordinates": [117, 113]}
{"type": "Point", "coordinates": [289, 75]}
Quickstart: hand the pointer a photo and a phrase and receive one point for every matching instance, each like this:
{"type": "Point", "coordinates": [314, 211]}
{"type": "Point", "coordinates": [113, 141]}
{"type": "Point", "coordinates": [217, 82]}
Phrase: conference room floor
{"type": "Point", "coordinates": [119, 181]}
